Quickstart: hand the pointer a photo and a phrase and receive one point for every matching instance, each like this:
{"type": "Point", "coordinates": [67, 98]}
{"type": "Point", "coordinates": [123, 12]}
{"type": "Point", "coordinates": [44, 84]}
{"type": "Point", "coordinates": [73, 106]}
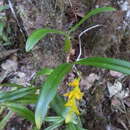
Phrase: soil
{"type": "Point", "coordinates": [99, 111]}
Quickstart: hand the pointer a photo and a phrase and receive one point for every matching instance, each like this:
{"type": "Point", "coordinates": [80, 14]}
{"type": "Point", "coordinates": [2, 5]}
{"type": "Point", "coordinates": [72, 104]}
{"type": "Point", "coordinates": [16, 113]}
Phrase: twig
{"type": "Point", "coordinates": [79, 37]}
{"type": "Point", "coordinates": [15, 16]}
{"type": "Point", "coordinates": [13, 12]}
{"type": "Point", "coordinates": [80, 46]}
{"type": "Point", "coordinates": [70, 3]}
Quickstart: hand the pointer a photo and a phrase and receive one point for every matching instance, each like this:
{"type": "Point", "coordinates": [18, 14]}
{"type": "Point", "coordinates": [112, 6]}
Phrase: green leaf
{"type": "Point", "coordinates": [68, 45]}
{"type": "Point", "coordinates": [45, 71]}
{"type": "Point", "coordinates": [38, 35]}
{"type": "Point", "coordinates": [58, 105]}
{"type": "Point", "coordinates": [72, 126]}
{"type": "Point", "coordinates": [7, 43]}
{"type": "Point", "coordinates": [28, 99]}
{"type": "Point", "coordinates": [11, 85]}
{"type": "Point", "coordinates": [2, 25]}
{"type": "Point", "coordinates": [55, 125]}
{"type": "Point", "coordinates": [91, 13]}
{"type": "Point", "coordinates": [1, 110]}
{"type": "Point", "coordinates": [4, 121]}
{"type": "Point", "coordinates": [3, 7]}
{"type": "Point", "coordinates": [4, 37]}
{"type": "Point", "coordinates": [107, 63]}
{"type": "Point", "coordinates": [21, 110]}
{"type": "Point", "coordinates": [53, 118]}
{"type": "Point", "coordinates": [16, 94]}
{"type": "Point", "coordinates": [35, 128]}
{"type": "Point", "coordinates": [48, 92]}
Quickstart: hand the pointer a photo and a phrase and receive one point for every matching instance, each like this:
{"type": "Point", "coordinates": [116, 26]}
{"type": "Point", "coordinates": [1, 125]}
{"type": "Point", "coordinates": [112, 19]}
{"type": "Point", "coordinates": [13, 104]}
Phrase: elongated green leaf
{"type": "Point", "coordinates": [35, 128]}
{"type": "Point", "coordinates": [1, 110]}
{"type": "Point", "coordinates": [2, 25]}
{"type": "Point", "coordinates": [72, 126]}
{"type": "Point", "coordinates": [13, 95]}
{"type": "Point", "coordinates": [55, 125]}
{"type": "Point", "coordinates": [68, 45]}
{"type": "Point", "coordinates": [45, 71]}
{"type": "Point", "coordinates": [48, 92]}
{"type": "Point", "coordinates": [4, 121]}
{"type": "Point", "coordinates": [107, 63]}
{"type": "Point", "coordinates": [3, 7]}
{"type": "Point", "coordinates": [53, 118]}
{"type": "Point", "coordinates": [11, 85]}
{"type": "Point", "coordinates": [106, 60]}
{"type": "Point", "coordinates": [38, 35]}
{"type": "Point", "coordinates": [58, 105]}
{"type": "Point", "coordinates": [21, 110]}
{"type": "Point", "coordinates": [91, 13]}
{"type": "Point", "coordinates": [28, 99]}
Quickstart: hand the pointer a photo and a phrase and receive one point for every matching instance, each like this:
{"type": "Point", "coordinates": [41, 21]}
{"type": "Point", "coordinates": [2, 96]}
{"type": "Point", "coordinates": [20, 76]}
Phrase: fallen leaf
{"type": "Point", "coordinates": [115, 74]}
{"type": "Point", "coordinates": [89, 81]}
{"type": "Point", "coordinates": [10, 65]}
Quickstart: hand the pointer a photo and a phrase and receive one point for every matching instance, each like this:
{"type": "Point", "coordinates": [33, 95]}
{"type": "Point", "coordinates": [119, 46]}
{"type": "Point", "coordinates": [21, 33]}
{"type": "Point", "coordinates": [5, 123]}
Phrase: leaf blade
{"type": "Point", "coordinates": [45, 71]}
{"type": "Point", "coordinates": [21, 110]}
{"type": "Point", "coordinates": [55, 125]}
{"type": "Point", "coordinates": [16, 94]}
{"type": "Point", "coordinates": [4, 121]}
{"type": "Point", "coordinates": [91, 13]}
{"type": "Point", "coordinates": [48, 92]}
{"type": "Point", "coordinates": [3, 7]}
{"type": "Point", "coordinates": [107, 63]}
{"type": "Point", "coordinates": [38, 35]}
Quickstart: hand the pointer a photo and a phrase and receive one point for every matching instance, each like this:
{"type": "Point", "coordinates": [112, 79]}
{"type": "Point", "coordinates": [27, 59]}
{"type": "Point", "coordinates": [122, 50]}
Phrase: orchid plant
{"type": "Point", "coordinates": [67, 111]}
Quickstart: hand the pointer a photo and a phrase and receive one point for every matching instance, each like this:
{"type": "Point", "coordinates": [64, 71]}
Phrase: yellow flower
{"type": "Point", "coordinates": [76, 93]}
{"type": "Point", "coordinates": [73, 95]}
{"type": "Point", "coordinates": [72, 109]}
{"type": "Point", "coordinates": [74, 83]}
{"type": "Point", "coordinates": [72, 104]}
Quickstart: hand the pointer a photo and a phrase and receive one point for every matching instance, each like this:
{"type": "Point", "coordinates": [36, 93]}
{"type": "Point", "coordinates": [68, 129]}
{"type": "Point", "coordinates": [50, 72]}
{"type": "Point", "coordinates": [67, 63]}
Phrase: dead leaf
{"type": "Point", "coordinates": [19, 78]}
{"type": "Point", "coordinates": [88, 81]}
{"type": "Point", "coordinates": [9, 66]}
{"type": "Point", "coordinates": [115, 74]}
{"type": "Point", "coordinates": [117, 90]}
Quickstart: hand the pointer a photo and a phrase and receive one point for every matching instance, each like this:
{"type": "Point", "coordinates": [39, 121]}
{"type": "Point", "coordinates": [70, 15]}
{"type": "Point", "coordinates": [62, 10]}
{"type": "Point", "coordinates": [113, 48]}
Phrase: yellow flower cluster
{"type": "Point", "coordinates": [73, 95]}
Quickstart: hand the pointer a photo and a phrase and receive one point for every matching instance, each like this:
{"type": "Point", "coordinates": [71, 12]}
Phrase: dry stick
{"type": "Point", "coordinates": [15, 16]}
{"type": "Point", "coordinates": [79, 37]}
{"type": "Point", "coordinates": [70, 3]}
{"type": "Point", "coordinates": [80, 46]}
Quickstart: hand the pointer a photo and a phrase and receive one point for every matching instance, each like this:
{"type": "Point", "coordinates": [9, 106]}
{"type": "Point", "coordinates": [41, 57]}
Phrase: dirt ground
{"type": "Point", "coordinates": [106, 102]}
